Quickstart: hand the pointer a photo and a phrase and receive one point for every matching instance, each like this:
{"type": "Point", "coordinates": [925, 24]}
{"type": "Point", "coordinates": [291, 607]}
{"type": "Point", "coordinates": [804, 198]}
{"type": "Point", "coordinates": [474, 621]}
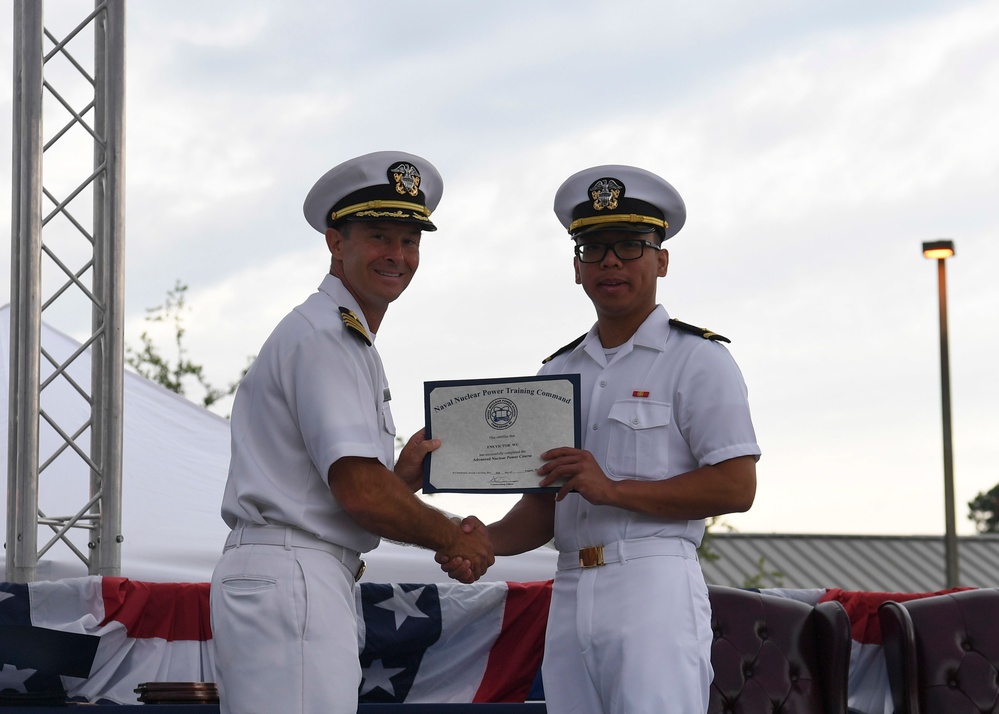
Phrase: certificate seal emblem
{"type": "Point", "coordinates": [501, 413]}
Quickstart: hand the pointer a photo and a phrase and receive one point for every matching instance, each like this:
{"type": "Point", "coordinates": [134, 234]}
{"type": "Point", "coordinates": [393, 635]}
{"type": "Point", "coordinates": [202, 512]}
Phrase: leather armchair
{"type": "Point", "coordinates": [777, 655]}
{"type": "Point", "coordinates": [942, 652]}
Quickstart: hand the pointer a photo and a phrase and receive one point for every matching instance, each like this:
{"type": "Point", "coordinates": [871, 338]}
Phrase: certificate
{"type": "Point", "coordinates": [493, 432]}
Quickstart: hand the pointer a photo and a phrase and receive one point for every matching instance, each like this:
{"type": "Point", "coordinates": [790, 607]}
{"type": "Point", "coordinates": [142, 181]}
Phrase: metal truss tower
{"type": "Point", "coordinates": [67, 262]}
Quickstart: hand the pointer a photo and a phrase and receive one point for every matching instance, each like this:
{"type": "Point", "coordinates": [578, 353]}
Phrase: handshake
{"type": "Point", "coordinates": [471, 553]}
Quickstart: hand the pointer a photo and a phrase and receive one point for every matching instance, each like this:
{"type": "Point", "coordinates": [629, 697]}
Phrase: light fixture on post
{"type": "Point", "coordinates": [940, 250]}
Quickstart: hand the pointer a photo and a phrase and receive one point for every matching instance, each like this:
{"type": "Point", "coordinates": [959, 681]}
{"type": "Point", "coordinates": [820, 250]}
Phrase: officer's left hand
{"type": "Point", "coordinates": [409, 466]}
{"type": "Point", "coordinates": [582, 473]}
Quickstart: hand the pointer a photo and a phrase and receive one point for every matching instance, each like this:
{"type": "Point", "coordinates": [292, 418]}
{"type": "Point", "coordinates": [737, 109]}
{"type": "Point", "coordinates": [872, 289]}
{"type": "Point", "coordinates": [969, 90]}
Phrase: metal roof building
{"type": "Point", "coordinates": [849, 562]}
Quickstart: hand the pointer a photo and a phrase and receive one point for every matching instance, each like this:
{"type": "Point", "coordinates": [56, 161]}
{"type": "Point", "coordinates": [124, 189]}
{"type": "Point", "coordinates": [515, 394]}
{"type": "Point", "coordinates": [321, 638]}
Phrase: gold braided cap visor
{"type": "Point", "coordinates": [379, 205]}
{"type": "Point", "coordinates": [619, 218]}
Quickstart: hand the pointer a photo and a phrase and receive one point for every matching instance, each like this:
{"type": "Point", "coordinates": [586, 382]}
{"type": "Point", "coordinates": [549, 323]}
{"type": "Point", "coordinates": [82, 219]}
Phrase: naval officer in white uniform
{"type": "Point", "coordinates": [313, 482]}
{"type": "Point", "coordinates": [667, 441]}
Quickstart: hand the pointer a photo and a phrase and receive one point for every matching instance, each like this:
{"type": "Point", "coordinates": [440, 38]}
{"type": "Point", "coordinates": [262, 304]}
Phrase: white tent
{"type": "Point", "coordinates": [175, 460]}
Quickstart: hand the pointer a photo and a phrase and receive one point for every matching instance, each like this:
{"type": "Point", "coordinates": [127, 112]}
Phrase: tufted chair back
{"type": "Point", "coordinates": [774, 655]}
{"type": "Point", "coordinates": [942, 652]}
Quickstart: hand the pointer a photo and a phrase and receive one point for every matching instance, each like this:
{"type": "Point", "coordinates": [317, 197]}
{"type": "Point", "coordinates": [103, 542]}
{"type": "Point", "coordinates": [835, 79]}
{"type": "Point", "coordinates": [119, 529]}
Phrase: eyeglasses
{"type": "Point", "coordinates": [627, 249]}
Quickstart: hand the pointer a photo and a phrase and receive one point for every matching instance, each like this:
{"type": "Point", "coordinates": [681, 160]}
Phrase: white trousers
{"type": "Point", "coordinates": [629, 637]}
{"type": "Point", "coordinates": [284, 629]}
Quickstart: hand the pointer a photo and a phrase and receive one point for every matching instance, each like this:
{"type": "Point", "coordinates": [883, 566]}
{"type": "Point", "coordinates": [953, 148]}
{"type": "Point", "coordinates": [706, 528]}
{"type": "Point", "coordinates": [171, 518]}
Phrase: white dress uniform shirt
{"type": "Point", "coordinates": [634, 635]}
{"type": "Point", "coordinates": [664, 403]}
{"type": "Point", "coordinates": [316, 393]}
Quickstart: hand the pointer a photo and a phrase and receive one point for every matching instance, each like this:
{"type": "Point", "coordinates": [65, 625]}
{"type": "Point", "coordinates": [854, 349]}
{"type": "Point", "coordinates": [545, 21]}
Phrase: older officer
{"type": "Point", "coordinates": [312, 480]}
{"type": "Point", "coordinates": [667, 442]}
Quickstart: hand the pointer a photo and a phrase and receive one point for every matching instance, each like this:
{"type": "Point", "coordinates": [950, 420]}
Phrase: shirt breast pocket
{"type": "Point", "coordinates": [639, 439]}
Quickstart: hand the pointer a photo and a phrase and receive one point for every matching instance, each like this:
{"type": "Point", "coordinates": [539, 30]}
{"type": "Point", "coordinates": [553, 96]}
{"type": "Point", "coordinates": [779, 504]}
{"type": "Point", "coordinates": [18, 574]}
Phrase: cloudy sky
{"type": "Point", "coordinates": [816, 145]}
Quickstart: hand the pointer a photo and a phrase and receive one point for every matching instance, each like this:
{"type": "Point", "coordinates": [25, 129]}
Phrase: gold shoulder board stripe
{"type": "Point", "coordinates": [699, 331]}
{"type": "Point", "coordinates": [355, 325]}
{"type": "Point", "coordinates": [571, 346]}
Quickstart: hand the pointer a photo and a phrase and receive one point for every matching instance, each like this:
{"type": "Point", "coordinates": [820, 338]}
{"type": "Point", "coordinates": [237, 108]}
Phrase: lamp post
{"type": "Point", "coordinates": [940, 250]}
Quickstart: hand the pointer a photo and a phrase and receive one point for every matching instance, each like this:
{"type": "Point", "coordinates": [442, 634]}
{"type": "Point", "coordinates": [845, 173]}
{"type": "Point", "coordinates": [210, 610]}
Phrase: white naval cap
{"type": "Point", "coordinates": [382, 186]}
{"type": "Point", "coordinates": [622, 198]}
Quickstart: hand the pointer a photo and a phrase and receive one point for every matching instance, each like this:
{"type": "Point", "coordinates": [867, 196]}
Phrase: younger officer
{"type": "Point", "coordinates": [312, 480]}
{"type": "Point", "coordinates": [667, 442]}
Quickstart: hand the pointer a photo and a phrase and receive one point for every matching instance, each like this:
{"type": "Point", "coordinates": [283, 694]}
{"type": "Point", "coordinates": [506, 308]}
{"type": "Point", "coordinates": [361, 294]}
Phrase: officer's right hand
{"type": "Point", "coordinates": [471, 555]}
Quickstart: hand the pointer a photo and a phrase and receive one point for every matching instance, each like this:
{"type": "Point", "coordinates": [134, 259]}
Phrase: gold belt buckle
{"type": "Point", "coordinates": [591, 557]}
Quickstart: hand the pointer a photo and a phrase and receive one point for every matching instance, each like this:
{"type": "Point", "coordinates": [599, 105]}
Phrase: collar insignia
{"type": "Point", "coordinates": [605, 192]}
{"type": "Point", "coordinates": [406, 178]}
{"type": "Point", "coordinates": [355, 325]}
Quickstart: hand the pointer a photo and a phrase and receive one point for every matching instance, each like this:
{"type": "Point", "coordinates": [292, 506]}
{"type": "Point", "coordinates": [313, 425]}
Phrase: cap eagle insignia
{"type": "Point", "coordinates": [406, 178]}
{"type": "Point", "coordinates": [605, 192]}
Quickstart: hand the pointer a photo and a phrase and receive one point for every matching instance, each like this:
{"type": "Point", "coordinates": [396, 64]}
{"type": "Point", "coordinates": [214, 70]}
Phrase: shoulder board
{"type": "Point", "coordinates": [699, 331]}
{"type": "Point", "coordinates": [572, 345]}
{"type": "Point", "coordinates": [355, 325]}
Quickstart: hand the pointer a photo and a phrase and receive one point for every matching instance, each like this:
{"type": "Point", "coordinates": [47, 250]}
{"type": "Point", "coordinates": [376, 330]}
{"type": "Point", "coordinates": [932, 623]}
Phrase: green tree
{"type": "Point", "coordinates": [763, 577]}
{"type": "Point", "coordinates": [984, 511]}
{"type": "Point", "coordinates": [706, 550]}
{"type": "Point", "coordinates": [182, 373]}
